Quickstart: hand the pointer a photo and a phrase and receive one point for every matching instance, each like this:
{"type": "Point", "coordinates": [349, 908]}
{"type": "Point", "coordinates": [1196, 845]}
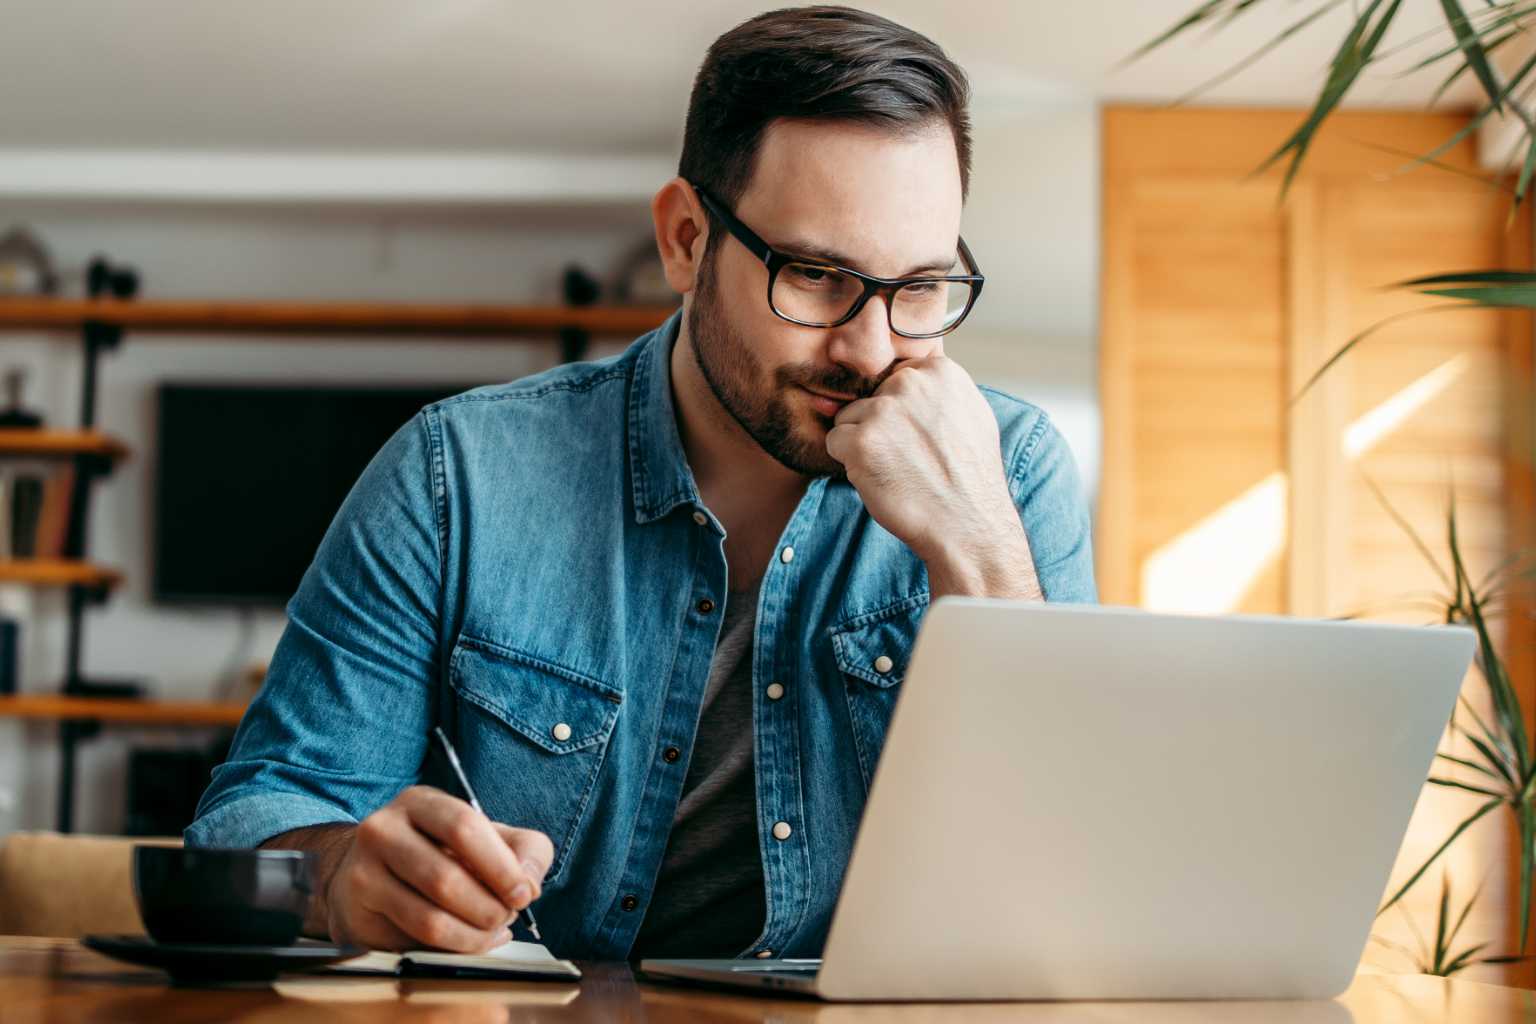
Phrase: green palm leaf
{"type": "Point", "coordinates": [1349, 60]}
{"type": "Point", "coordinates": [1453, 784]}
{"type": "Point", "coordinates": [1456, 834]}
{"type": "Point", "coordinates": [1471, 44]}
{"type": "Point", "coordinates": [1473, 765]}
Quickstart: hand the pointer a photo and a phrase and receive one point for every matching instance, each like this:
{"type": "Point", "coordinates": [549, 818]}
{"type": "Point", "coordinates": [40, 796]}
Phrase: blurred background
{"type": "Point", "coordinates": [266, 184]}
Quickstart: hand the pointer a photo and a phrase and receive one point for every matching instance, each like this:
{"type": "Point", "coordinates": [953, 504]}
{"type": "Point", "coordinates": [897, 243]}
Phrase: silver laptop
{"type": "Point", "coordinates": [1113, 804]}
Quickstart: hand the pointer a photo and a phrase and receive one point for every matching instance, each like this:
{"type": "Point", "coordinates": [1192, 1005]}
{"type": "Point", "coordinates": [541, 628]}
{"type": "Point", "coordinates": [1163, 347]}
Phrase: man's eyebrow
{"type": "Point", "coordinates": [821, 254]}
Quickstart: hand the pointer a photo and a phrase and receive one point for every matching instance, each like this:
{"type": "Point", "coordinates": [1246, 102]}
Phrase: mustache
{"type": "Point", "coordinates": [838, 380]}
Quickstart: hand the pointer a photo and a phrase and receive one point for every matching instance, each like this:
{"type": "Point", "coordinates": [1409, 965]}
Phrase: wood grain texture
{"type": "Point", "coordinates": [58, 980]}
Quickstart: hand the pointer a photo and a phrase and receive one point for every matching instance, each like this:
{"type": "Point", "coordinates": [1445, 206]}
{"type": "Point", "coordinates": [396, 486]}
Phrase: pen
{"type": "Point", "coordinates": [466, 793]}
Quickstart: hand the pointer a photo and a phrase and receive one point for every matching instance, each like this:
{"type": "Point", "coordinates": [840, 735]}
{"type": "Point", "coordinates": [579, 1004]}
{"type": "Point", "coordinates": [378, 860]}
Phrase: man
{"type": "Point", "coordinates": [664, 601]}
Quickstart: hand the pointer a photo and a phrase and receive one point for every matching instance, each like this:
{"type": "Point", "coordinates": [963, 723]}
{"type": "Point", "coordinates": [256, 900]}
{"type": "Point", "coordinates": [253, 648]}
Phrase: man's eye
{"type": "Point", "coordinates": [813, 275]}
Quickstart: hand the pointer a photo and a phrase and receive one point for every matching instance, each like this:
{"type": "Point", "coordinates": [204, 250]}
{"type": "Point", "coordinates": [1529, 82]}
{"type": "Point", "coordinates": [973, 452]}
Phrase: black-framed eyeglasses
{"type": "Point", "coordinates": [817, 294]}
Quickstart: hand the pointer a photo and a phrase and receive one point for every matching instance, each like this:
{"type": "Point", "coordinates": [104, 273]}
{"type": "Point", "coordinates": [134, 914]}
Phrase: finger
{"type": "Point", "coordinates": [374, 930]}
{"type": "Point", "coordinates": [854, 411]}
{"type": "Point", "coordinates": [425, 922]}
{"type": "Point", "coordinates": [533, 849]}
{"type": "Point", "coordinates": [370, 925]}
{"type": "Point", "coordinates": [840, 442]}
{"type": "Point", "coordinates": [468, 833]}
{"type": "Point", "coordinates": [428, 869]}
{"type": "Point", "coordinates": [864, 409]}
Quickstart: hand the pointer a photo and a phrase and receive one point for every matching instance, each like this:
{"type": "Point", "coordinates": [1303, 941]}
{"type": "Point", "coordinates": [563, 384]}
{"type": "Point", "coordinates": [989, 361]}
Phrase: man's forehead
{"type": "Point", "coordinates": [888, 202]}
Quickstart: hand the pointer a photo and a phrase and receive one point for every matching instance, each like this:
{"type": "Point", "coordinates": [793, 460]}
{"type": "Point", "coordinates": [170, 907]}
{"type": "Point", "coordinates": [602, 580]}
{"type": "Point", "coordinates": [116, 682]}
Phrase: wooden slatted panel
{"type": "Point", "coordinates": [1440, 376]}
{"type": "Point", "coordinates": [1207, 374]}
{"type": "Point", "coordinates": [1174, 443]}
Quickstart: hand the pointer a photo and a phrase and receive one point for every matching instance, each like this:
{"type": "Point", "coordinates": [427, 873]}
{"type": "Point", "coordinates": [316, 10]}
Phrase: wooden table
{"type": "Point", "coordinates": [48, 980]}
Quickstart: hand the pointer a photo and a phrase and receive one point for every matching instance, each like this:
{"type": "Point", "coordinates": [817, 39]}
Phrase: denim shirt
{"type": "Point", "coordinates": [532, 561]}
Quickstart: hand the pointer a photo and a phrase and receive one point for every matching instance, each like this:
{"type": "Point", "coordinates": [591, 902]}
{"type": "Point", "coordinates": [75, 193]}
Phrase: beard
{"type": "Point", "coordinates": [760, 401]}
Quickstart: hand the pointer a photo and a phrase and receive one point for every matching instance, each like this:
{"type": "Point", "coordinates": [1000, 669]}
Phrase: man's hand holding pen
{"type": "Point", "coordinates": [428, 869]}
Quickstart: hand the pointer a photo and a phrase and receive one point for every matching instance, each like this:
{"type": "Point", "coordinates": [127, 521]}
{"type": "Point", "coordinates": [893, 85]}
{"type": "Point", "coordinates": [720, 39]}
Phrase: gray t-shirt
{"type": "Point", "coordinates": [708, 900]}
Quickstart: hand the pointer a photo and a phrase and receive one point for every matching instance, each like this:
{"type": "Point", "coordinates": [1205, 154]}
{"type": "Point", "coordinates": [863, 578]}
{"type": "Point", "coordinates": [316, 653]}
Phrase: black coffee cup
{"type": "Point", "coordinates": [222, 897]}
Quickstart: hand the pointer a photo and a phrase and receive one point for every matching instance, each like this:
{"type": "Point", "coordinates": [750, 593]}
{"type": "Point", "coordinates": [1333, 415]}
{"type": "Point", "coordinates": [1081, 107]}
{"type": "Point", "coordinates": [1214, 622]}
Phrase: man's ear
{"type": "Point", "coordinates": [681, 231]}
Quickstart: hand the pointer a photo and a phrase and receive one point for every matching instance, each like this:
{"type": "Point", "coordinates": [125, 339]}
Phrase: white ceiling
{"type": "Point", "coordinates": [589, 76]}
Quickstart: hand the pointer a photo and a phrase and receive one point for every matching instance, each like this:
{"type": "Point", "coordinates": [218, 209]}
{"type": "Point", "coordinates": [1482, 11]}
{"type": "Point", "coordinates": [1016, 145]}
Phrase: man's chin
{"type": "Point", "coordinates": [809, 454]}
{"type": "Point", "coordinates": [796, 437]}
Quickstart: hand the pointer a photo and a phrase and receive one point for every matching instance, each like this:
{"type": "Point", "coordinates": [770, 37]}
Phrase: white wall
{"type": "Point", "coordinates": [1032, 222]}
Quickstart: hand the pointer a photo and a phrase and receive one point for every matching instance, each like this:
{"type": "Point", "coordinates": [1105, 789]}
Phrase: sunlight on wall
{"type": "Point", "coordinates": [1208, 568]}
{"type": "Point", "coordinates": [1368, 430]}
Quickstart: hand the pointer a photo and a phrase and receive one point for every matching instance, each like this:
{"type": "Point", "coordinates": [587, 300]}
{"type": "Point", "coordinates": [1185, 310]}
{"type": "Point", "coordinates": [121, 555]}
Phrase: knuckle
{"type": "Point", "coordinates": [436, 929]}
{"type": "Point", "coordinates": [463, 828]}
{"type": "Point", "coordinates": [372, 829]}
{"type": "Point", "coordinates": [360, 878]}
{"type": "Point", "coordinates": [437, 885]}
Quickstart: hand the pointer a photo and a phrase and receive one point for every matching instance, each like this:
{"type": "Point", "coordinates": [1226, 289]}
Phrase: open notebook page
{"type": "Point", "coordinates": [514, 956]}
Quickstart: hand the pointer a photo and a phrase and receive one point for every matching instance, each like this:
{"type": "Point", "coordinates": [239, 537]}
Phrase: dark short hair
{"type": "Point", "coordinates": [824, 62]}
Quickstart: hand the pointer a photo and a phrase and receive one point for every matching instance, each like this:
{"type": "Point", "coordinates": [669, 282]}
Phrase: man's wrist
{"type": "Point", "coordinates": [329, 845]}
{"type": "Point", "coordinates": [994, 561]}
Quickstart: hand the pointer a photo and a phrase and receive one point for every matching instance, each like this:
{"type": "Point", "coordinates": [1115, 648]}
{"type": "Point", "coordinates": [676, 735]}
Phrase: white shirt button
{"type": "Point", "coordinates": [561, 732]}
{"type": "Point", "coordinates": [775, 691]}
{"type": "Point", "coordinates": [700, 518]}
{"type": "Point", "coordinates": [764, 954]}
{"type": "Point", "coordinates": [787, 555]}
{"type": "Point", "coordinates": [781, 830]}
{"type": "Point", "coordinates": [883, 664]}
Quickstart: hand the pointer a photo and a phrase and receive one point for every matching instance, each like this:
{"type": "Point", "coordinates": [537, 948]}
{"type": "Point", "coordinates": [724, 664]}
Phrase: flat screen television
{"type": "Point", "coordinates": [249, 477]}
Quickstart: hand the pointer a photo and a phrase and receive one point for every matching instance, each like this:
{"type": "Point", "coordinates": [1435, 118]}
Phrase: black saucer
{"type": "Point", "coordinates": [200, 963]}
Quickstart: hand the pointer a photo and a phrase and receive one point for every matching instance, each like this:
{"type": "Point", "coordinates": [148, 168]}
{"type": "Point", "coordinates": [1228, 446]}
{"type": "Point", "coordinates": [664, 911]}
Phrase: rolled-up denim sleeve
{"type": "Point", "coordinates": [1054, 509]}
{"type": "Point", "coordinates": [339, 726]}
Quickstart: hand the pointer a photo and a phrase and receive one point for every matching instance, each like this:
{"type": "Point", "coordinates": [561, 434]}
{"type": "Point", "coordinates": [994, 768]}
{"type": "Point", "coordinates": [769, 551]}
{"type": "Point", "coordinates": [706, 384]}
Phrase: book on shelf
{"type": "Point", "coordinates": [26, 506]}
{"type": "Point", "coordinates": [53, 520]}
{"type": "Point", "coordinates": [6, 476]}
{"type": "Point", "coordinates": [37, 512]}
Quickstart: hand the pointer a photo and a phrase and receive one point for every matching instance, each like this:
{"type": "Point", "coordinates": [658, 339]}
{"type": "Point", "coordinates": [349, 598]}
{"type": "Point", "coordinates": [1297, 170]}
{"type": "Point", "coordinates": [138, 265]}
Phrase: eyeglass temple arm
{"type": "Point", "coordinates": [755, 245]}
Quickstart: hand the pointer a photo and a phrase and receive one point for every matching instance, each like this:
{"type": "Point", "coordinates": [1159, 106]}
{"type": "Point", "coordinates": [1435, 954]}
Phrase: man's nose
{"type": "Point", "coordinates": [863, 344]}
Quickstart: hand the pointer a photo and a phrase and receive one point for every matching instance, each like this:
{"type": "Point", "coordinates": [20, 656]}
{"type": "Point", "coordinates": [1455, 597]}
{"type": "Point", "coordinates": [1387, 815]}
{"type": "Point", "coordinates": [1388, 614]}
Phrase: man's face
{"type": "Point", "coordinates": [885, 204]}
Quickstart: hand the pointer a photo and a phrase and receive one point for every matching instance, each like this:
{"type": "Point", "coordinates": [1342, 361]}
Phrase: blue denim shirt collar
{"type": "Point", "coordinates": [658, 465]}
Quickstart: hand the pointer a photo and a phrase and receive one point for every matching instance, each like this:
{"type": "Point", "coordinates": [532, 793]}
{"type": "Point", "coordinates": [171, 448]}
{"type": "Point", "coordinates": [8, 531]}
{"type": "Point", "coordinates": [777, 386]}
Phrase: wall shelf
{"type": "Point", "coordinates": [58, 572]}
{"type": "Point", "coordinates": [188, 317]}
{"type": "Point", "coordinates": [53, 707]}
{"type": "Point", "coordinates": [40, 443]}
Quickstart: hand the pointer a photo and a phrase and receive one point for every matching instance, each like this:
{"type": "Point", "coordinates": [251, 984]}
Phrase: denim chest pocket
{"type": "Point", "coordinates": [871, 651]}
{"type": "Point", "coordinates": [533, 736]}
